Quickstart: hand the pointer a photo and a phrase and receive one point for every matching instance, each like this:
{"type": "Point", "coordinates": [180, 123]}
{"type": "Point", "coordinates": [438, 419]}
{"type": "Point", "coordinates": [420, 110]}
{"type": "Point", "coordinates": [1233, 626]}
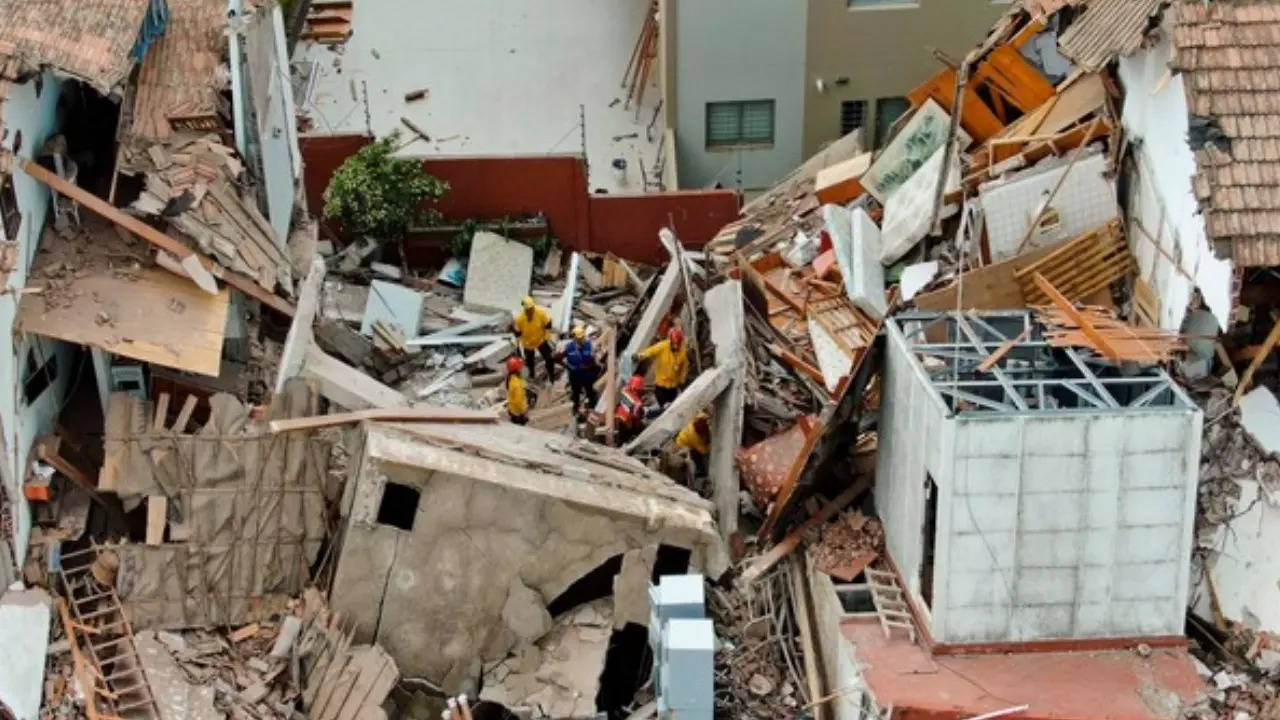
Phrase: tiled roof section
{"type": "Point", "coordinates": [1229, 54]}
{"type": "Point", "coordinates": [1108, 29]}
{"type": "Point", "coordinates": [87, 39]}
{"type": "Point", "coordinates": [179, 75]}
{"type": "Point", "coordinates": [1044, 8]}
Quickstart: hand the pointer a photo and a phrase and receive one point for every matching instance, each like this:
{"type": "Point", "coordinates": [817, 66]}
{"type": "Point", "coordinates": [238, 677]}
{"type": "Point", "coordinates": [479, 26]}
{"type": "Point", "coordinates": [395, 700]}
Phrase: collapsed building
{"type": "Point", "coordinates": [985, 410]}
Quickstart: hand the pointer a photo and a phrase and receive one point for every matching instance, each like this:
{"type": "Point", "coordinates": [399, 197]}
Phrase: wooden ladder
{"type": "Point", "coordinates": [97, 620]}
{"type": "Point", "coordinates": [891, 606]}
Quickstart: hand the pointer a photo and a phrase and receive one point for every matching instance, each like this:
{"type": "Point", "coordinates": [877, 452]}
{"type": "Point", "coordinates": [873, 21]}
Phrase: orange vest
{"type": "Point", "coordinates": [630, 408]}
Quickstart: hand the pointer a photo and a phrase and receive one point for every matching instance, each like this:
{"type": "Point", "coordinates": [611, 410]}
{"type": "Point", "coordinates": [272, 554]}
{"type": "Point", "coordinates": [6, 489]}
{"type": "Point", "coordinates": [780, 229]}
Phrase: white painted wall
{"type": "Point", "coordinates": [269, 93]}
{"type": "Point", "coordinates": [1161, 199]}
{"type": "Point", "coordinates": [1067, 525]}
{"type": "Point", "coordinates": [915, 439]}
{"type": "Point", "coordinates": [1058, 525]}
{"type": "Point", "coordinates": [35, 117]}
{"type": "Point", "coordinates": [839, 663]}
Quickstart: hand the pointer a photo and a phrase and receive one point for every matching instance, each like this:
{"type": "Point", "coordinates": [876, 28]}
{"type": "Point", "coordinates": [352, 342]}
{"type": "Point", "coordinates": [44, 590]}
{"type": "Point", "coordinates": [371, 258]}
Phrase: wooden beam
{"type": "Point", "coordinates": [1263, 352]}
{"type": "Point", "coordinates": [1098, 339]}
{"type": "Point", "coordinates": [402, 414]}
{"type": "Point", "coordinates": [157, 510]}
{"type": "Point", "coordinates": [788, 544]}
{"type": "Point", "coordinates": [158, 239]}
{"type": "Point", "coordinates": [998, 354]}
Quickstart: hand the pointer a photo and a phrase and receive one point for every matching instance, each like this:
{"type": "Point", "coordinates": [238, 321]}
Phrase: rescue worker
{"type": "Point", "coordinates": [579, 359]}
{"type": "Point", "coordinates": [672, 359]}
{"type": "Point", "coordinates": [696, 439]}
{"type": "Point", "coordinates": [517, 395]}
{"type": "Point", "coordinates": [631, 411]}
{"type": "Point", "coordinates": [532, 328]}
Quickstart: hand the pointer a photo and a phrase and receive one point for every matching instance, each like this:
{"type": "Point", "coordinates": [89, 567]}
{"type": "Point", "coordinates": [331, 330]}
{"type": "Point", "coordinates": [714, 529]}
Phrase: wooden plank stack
{"type": "Point", "coordinates": [194, 187]}
{"type": "Point", "coordinates": [1081, 267]}
{"type": "Point", "coordinates": [1121, 342]}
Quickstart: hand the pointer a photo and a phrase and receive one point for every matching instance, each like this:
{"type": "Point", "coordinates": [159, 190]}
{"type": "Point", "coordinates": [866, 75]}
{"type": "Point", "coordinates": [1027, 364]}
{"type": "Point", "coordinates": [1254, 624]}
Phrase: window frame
{"type": "Point", "coordinates": [864, 5]}
{"type": "Point", "coordinates": [741, 141]}
{"type": "Point", "coordinates": [861, 106]}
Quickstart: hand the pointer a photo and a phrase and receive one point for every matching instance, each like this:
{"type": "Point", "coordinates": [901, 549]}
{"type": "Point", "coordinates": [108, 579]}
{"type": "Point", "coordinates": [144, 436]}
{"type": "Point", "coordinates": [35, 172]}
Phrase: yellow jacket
{"type": "Point", "coordinates": [517, 398]}
{"type": "Point", "coordinates": [672, 366]}
{"type": "Point", "coordinates": [533, 331]}
{"type": "Point", "coordinates": [690, 438]}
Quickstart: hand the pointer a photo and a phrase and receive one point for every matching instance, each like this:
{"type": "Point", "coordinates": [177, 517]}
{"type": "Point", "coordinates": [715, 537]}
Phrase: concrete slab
{"type": "Point", "coordinates": [683, 409]}
{"type": "Point", "coordinates": [723, 305]}
{"type": "Point", "coordinates": [863, 275]}
{"type": "Point", "coordinates": [915, 277]}
{"type": "Point", "coordinates": [1260, 417]}
{"type": "Point", "coordinates": [498, 273]}
{"type": "Point", "coordinates": [909, 213]}
{"type": "Point", "coordinates": [549, 63]}
{"type": "Point", "coordinates": [24, 635]}
{"type": "Point", "coordinates": [392, 303]}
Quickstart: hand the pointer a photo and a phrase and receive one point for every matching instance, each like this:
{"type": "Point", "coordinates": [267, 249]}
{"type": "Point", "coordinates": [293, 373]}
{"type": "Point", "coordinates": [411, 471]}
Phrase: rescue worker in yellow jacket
{"type": "Point", "coordinates": [696, 439]}
{"type": "Point", "coordinates": [532, 328]}
{"type": "Point", "coordinates": [517, 395]}
{"type": "Point", "coordinates": [671, 357]}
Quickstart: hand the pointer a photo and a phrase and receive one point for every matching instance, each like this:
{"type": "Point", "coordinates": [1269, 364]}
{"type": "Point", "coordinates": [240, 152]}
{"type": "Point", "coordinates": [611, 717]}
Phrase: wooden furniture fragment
{"type": "Point", "coordinates": [1099, 329]}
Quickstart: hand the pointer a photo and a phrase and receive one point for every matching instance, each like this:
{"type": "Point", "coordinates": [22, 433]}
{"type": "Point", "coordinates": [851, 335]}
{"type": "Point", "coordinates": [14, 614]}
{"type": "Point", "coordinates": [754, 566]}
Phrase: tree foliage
{"type": "Point", "coordinates": [377, 194]}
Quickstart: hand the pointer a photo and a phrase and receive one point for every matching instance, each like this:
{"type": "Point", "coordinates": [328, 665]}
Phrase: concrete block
{"type": "Point", "coordinates": [1051, 511]}
{"type": "Point", "coordinates": [1042, 586]}
{"type": "Point", "coordinates": [986, 476]}
{"type": "Point", "coordinates": [1101, 510]}
{"type": "Point", "coordinates": [498, 273]}
{"type": "Point", "coordinates": [977, 589]}
{"type": "Point", "coordinates": [1054, 435]}
{"type": "Point", "coordinates": [1053, 473]}
{"type": "Point", "coordinates": [1092, 619]}
{"type": "Point", "coordinates": [688, 664]}
{"type": "Point", "coordinates": [985, 514]}
{"type": "Point", "coordinates": [1099, 546]}
{"type": "Point", "coordinates": [990, 437]}
{"type": "Point", "coordinates": [1150, 432]}
{"type": "Point", "coordinates": [392, 303]}
{"type": "Point", "coordinates": [1157, 469]}
{"type": "Point", "coordinates": [982, 553]}
{"type": "Point", "coordinates": [976, 624]}
{"type": "Point", "coordinates": [1154, 543]}
{"type": "Point", "coordinates": [1054, 549]}
{"type": "Point", "coordinates": [1040, 621]}
{"type": "Point", "coordinates": [1153, 507]}
{"type": "Point", "coordinates": [1146, 581]}
{"type": "Point", "coordinates": [1105, 470]}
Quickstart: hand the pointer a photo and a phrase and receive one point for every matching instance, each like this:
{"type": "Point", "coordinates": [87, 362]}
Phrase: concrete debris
{"type": "Point", "coordinates": [24, 625]}
{"type": "Point", "coordinates": [498, 272]}
{"type": "Point", "coordinates": [847, 545]}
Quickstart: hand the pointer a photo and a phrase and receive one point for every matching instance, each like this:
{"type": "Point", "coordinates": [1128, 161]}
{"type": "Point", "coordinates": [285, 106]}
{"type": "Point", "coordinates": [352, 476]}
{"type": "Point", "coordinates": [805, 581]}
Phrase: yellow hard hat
{"type": "Point", "coordinates": [579, 332]}
{"type": "Point", "coordinates": [527, 302]}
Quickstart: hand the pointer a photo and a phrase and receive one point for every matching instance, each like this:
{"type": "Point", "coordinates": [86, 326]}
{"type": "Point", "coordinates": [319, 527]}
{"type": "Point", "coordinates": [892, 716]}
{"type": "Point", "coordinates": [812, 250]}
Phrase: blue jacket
{"type": "Point", "coordinates": [579, 358]}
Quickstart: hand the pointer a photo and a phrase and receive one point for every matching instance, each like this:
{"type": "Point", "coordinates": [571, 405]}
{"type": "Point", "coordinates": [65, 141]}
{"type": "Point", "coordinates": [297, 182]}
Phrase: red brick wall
{"type": "Point", "coordinates": [490, 188]}
{"type": "Point", "coordinates": [628, 225]}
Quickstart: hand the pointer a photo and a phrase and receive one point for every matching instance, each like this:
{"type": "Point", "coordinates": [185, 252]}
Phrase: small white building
{"type": "Point", "coordinates": [1052, 498]}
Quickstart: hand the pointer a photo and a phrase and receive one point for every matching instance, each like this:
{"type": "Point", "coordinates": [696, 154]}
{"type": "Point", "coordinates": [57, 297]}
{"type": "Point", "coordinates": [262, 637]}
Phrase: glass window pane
{"type": "Point", "coordinates": [757, 121]}
{"type": "Point", "coordinates": [724, 123]}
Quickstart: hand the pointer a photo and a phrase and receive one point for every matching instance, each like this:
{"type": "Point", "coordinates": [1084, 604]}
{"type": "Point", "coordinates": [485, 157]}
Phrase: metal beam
{"type": "Point", "coordinates": [967, 329]}
{"type": "Point", "coordinates": [1087, 397]}
{"type": "Point", "coordinates": [976, 399]}
{"type": "Point", "coordinates": [1091, 378]}
{"type": "Point", "coordinates": [1145, 398]}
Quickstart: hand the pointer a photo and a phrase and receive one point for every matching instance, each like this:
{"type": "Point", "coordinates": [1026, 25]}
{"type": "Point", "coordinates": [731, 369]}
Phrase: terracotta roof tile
{"type": "Point", "coordinates": [88, 39]}
{"type": "Point", "coordinates": [1106, 29]}
{"type": "Point", "coordinates": [179, 75]}
{"type": "Point", "coordinates": [1229, 54]}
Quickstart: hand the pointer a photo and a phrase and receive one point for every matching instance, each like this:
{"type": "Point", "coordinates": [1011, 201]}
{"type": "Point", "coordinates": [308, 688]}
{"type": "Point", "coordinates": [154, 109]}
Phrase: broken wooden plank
{"type": "Point", "coordinates": [1264, 351]}
{"type": "Point", "coordinates": [998, 354]}
{"type": "Point", "coordinates": [1099, 341]}
{"type": "Point", "coordinates": [157, 509]}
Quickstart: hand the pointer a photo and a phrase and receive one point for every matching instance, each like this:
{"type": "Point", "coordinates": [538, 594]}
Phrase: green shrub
{"type": "Point", "coordinates": [377, 194]}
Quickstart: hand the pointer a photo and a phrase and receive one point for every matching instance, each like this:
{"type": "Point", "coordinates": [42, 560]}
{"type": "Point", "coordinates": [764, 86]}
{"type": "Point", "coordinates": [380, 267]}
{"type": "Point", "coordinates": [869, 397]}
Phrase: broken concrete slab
{"type": "Point", "coordinates": [562, 308]}
{"type": "Point", "coordinates": [24, 635]}
{"type": "Point", "coordinates": [1245, 563]}
{"type": "Point", "coordinates": [301, 332]}
{"type": "Point", "coordinates": [344, 302]}
{"type": "Point", "coordinates": [345, 385]}
{"type": "Point", "coordinates": [492, 504]}
{"type": "Point", "coordinates": [560, 676]}
{"type": "Point", "coordinates": [498, 273]}
{"type": "Point", "coordinates": [915, 277]}
{"type": "Point", "coordinates": [723, 305]}
{"type": "Point", "coordinates": [697, 396]}
{"type": "Point", "coordinates": [176, 697]}
{"type": "Point", "coordinates": [1260, 417]}
{"type": "Point", "coordinates": [647, 326]}
{"type": "Point", "coordinates": [491, 353]}
{"type": "Point", "coordinates": [859, 262]}
{"type": "Point", "coordinates": [833, 361]}
{"type": "Point", "coordinates": [631, 587]}
{"type": "Point", "coordinates": [484, 322]}
{"type": "Point", "coordinates": [394, 304]}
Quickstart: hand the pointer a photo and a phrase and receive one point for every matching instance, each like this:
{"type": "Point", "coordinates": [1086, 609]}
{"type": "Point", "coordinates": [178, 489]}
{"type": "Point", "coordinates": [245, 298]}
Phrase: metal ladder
{"type": "Point", "coordinates": [891, 606]}
{"type": "Point", "coordinates": [96, 617]}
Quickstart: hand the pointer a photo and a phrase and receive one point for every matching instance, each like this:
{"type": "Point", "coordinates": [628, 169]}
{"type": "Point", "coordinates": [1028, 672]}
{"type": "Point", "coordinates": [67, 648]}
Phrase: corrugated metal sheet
{"type": "Point", "coordinates": [1108, 29]}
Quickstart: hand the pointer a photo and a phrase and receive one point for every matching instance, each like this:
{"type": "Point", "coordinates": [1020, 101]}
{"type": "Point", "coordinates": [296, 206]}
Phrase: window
{"type": "Point", "coordinates": [38, 374]}
{"type": "Point", "coordinates": [852, 115]}
{"type": "Point", "coordinates": [748, 122]}
{"type": "Point", "coordinates": [888, 110]}
{"type": "Point", "coordinates": [399, 505]}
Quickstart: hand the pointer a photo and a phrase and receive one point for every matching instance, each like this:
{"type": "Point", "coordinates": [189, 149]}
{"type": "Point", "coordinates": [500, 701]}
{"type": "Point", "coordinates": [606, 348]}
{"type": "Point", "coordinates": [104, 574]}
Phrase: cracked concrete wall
{"type": "Point", "coordinates": [435, 596]}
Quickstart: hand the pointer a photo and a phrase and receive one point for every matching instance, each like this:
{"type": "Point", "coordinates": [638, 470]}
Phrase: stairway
{"type": "Point", "coordinates": [104, 638]}
{"type": "Point", "coordinates": [891, 606]}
